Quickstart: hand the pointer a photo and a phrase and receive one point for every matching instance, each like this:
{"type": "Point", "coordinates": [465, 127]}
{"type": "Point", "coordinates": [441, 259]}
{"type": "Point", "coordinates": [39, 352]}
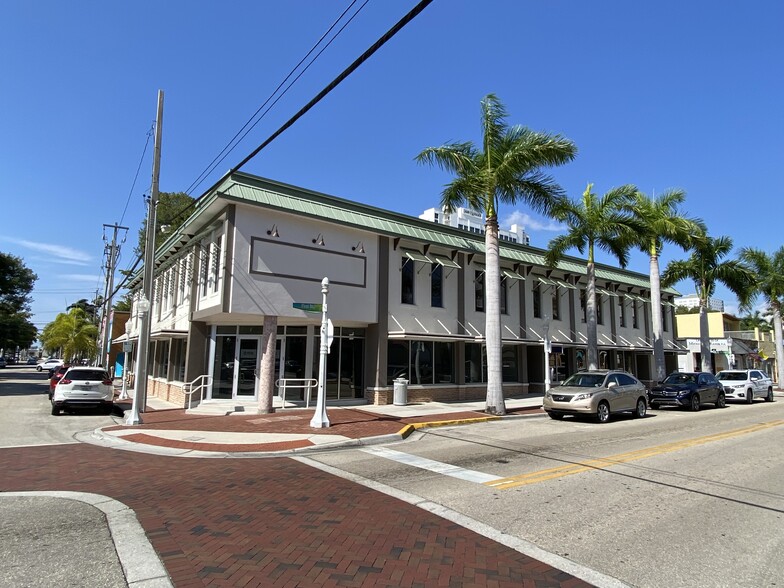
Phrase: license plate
{"type": "Point", "coordinates": [84, 387]}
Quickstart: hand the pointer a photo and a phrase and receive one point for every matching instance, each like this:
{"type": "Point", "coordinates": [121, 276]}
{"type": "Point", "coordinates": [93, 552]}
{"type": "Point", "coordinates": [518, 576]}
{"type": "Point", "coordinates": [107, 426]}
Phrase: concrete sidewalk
{"type": "Point", "coordinates": [170, 430]}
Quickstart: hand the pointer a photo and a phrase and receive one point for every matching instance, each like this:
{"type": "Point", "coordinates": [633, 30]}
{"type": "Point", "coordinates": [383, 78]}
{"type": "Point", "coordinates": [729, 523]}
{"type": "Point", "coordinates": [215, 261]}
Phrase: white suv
{"type": "Point", "coordinates": [86, 387]}
{"type": "Point", "coordinates": [746, 385]}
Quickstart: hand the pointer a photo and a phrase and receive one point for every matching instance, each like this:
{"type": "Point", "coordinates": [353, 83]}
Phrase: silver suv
{"type": "Point", "coordinates": [746, 385]}
{"type": "Point", "coordinates": [598, 393]}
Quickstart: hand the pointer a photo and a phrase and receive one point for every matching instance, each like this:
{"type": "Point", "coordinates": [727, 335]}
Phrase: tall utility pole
{"type": "Point", "coordinates": [111, 264]}
{"type": "Point", "coordinates": [140, 386]}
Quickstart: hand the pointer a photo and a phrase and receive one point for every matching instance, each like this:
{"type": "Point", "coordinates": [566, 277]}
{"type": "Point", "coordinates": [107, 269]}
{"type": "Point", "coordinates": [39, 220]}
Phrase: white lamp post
{"type": "Point", "coordinates": [143, 306]}
{"type": "Point", "coordinates": [547, 349]}
{"type": "Point", "coordinates": [320, 420]}
{"type": "Point", "coordinates": [126, 361]}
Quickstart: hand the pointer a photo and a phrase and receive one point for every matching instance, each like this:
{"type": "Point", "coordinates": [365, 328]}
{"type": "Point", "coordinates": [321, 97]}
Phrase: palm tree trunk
{"type": "Point", "coordinates": [656, 320]}
{"type": "Point", "coordinates": [705, 351]}
{"type": "Point", "coordinates": [495, 390]}
{"type": "Point", "coordinates": [777, 333]}
{"type": "Point", "coordinates": [592, 351]}
{"type": "Point", "coordinates": [267, 380]}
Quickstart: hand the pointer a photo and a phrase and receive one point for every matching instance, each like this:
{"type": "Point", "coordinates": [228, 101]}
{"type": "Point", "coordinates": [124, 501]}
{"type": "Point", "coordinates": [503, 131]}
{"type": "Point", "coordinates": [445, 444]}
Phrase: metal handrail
{"type": "Point", "coordinates": [191, 387]}
{"type": "Point", "coordinates": [307, 383]}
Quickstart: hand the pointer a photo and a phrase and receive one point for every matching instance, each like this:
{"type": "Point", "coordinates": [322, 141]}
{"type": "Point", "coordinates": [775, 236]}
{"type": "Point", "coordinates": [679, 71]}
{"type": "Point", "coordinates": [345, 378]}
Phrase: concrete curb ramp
{"type": "Point", "coordinates": [140, 564]}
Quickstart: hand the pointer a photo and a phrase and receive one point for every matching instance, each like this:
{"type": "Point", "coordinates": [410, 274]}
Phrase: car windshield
{"type": "Point", "coordinates": [93, 375]}
{"type": "Point", "coordinates": [679, 379]}
{"type": "Point", "coordinates": [584, 380]}
{"type": "Point", "coordinates": [733, 376]}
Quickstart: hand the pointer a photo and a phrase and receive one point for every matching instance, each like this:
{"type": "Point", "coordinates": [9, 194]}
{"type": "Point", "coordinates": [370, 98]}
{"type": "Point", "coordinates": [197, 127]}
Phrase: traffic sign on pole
{"type": "Point", "coordinates": [307, 306]}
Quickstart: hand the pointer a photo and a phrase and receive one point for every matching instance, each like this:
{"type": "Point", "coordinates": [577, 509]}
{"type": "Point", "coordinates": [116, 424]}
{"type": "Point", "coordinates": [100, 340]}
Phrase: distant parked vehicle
{"type": "Point", "coordinates": [597, 392]}
{"type": "Point", "coordinates": [2, 362]}
{"type": "Point", "coordinates": [49, 364]}
{"type": "Point", "coordinates": [746, 385]}
{"type": "Point", "coordinates": [688, 389]}
{"type": "Point", "coordinates": [32, 361]}
{"type": "Point", "coordinates": [83, 387]}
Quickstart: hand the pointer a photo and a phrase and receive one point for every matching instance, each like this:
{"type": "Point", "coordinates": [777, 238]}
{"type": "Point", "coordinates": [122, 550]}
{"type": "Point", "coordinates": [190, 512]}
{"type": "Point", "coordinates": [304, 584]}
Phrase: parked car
{"type": "Point", "coordinates": [689, 389]}
{"type": "Point", "coordinates": [56, 374]}
{"type": "Point", "coordinates": [597, 392]}
{"type": "Point", "coordinates": [49, 364]}
{"type": "Point", "coordinates": [83, 387]}
{"type": "Point", "coordinates": [2, 362]}
{"type": "Point", "coordinates": [746, 385]}
{"type": "Point", "coordinates": [32, 361]}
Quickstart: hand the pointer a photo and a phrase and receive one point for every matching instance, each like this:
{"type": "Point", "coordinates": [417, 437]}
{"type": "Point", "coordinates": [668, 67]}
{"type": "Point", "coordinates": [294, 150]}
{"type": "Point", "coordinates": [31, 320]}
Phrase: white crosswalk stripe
{"type": "Point", "coordinates": [431, 465]}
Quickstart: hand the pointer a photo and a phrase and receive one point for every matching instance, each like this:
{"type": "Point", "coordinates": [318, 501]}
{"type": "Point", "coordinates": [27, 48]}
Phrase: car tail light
{"type": "Point", "coordinates": [107, 382]}
{"type": "Point", "coordinates": [64, 381]}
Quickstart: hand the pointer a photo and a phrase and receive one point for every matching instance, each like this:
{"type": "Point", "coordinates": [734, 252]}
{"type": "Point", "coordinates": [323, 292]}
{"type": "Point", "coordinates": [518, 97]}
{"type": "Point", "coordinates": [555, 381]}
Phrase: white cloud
{"type": "Point", "coordinates": [83, 278]}
{"type": "Point", "coordinates": [58, 253]}
{"type": "Point", "coordinates": [531, 224]}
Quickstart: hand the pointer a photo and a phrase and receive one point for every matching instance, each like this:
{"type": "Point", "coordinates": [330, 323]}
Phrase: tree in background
{"type": "Point", "coordinates": [16, 284]}
{"type": "Point", "coordinates": [706, 266]}
{"type": "Point", "coordinates": [661, 222]}
{"type": "Point", "coordinates": [169, 217]}
{"type": "Point", "coordinates": [755, 321]}
{"type": "Point", "coordinates": [90, 308]}
{"type": "Point", "coordinates": [769, 270]}
{"type": "Point", "coordinates": [73, 333]}
{"type": "Point", "coordinates": [595, 223]}
{"type": "Point", "coordinates": [506, 169]}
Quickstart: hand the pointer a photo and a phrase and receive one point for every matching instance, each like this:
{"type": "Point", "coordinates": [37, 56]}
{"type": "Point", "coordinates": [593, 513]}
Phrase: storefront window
{"type": "Point", "coordinates": [420, 362]}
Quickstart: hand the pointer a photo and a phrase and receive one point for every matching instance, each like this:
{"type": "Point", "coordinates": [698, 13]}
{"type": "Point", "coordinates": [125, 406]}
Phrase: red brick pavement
{"type": "Point", "coordinates": [276, 522]}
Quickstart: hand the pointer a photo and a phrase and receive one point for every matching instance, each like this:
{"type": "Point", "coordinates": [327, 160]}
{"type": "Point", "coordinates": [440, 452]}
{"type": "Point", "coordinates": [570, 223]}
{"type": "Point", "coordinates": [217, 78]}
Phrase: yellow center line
{"type": "Point", "coordinates": [604, 462]}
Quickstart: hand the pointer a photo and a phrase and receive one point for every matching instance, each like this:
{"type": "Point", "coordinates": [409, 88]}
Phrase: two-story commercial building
{"type": "Point", "coordinates": [407, 299]}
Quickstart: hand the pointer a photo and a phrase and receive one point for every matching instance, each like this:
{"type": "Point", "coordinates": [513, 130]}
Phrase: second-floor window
{"type": "Point", "coordinates": [407, 281]}
{"type": "Point", "coordinates": [622, 310]}
{"type": "Point", "coordinates": [556, 304]}
{"type": "Point", "coordinates": [479, 290]}
{"type": "Point", "coordinates": [502, 295]}
{"type": "Point", "coordinates": [664, 317]}
{"type": "Point", "coordinates": [635, 322]}
{"type": "Point", "coordinates": [583, 298]}
{"type": "Point", "coordinates": [536, 291]}
{"type": "Point", "coordinates": [599, 313]}
{"type": "Point", "coordinates": [437, 285]}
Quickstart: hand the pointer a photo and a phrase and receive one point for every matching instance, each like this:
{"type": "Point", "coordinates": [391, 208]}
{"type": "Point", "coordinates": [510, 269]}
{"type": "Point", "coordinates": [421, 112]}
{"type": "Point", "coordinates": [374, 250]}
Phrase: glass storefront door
{"type": "Point", "coordinates": [234, 370]}
{"type": "Point", "coordinates": [247, 372]}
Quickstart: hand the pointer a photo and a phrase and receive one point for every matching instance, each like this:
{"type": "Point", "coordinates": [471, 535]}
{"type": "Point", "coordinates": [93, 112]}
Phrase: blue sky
{"type": "Point", "coordinates": [661, 95]}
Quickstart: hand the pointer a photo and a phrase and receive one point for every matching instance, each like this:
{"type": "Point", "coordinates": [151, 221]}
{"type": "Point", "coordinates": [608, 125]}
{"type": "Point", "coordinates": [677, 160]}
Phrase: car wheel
{"type": "Point", "coordinates": [603, 412]}
{"type": "Point", "coordinates": [556, 416]}
{"type": "Point", "coordinates": [38, 368]}
{"type": "Point", "coordinates": [695, 403]}
{"type": "Point", "coordinates": [769, 397]}
{"type": "Point", "coordinates": [721, 401]}
{"type": "Point", "coordinates": [749, 396]}
{"type": "Point", "coordinates": [641, 409]}
{"type": "Point", "coordinates": [55, 409]}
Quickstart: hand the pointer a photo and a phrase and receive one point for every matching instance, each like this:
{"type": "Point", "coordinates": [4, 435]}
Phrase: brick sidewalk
{"type": "Point", "coordinates": [276, 522]}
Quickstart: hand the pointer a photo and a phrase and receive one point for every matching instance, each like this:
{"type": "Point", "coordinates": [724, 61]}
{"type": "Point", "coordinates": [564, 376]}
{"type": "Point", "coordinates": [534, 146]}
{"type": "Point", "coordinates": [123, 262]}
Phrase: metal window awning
{"type": "Point", "coordinates": [607, 292]}
{"type": "Point", "coordinates": [668, 303]}
{"type": "Point", "coordinates": [512, 275]}
{"type": "Point", "coordinates": [546, 281]}
{"type": "Point", "coordinates": [445, 262]}
{"type": "Point", "coordinates": [416, 256]}
{"type": "Point", "coordinates": [565, 284]}
{"type": "Point", "coordinates": [635, 297]}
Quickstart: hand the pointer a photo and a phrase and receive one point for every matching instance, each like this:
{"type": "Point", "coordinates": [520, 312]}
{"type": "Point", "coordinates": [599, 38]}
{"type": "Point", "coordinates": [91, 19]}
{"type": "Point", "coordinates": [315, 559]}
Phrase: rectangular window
{"type": "Point", "coordinates": [407, 281]}
{"type": "Point", "coordinates": [502, 295]}
{"type": "Point", "coordinates": [536, 291]}
{"type": "Point", "coordinates": [437, 285]}
{"type": "Point", "coordinates": [556, 303]}
{"type": "Point", "coordinates": [420, 362]}
{"type": "Point", "coordinates": [204, 251]}
{"type": "Point", "coordinates": [622, 309]}
{"type": "Point", "coordinates": [476, 363]}
{"type": "Point", "coordinates": [215, 262]}
{"type": "Point", "coordinates": [444, 365]}
{"type": "Point", "coordinates": [664, 318]}
{"type": "Point", "coordinates": [635, 322]}
{"type": "Point", "coordinates": [179, 347]}
{"type": "Point", "coordinates": [479, 290]}
{"type": "Point", "coordinates": [599, 308]}
{"type": "Point", "coordinates": [509, 363]}
{"type": "Point", "coordinates": [583, 298]}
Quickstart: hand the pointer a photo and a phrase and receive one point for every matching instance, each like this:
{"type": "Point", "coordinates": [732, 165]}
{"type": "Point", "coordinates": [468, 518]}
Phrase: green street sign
{"type": "Point", "coordinates": [307, 306]}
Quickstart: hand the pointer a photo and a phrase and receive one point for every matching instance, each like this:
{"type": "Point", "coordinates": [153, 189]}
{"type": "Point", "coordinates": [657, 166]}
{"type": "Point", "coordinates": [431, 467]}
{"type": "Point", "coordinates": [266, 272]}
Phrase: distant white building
{"type": "Point", "coordinates": [693, 301]}
{"type": "Point", "coordinates": [473, 221]}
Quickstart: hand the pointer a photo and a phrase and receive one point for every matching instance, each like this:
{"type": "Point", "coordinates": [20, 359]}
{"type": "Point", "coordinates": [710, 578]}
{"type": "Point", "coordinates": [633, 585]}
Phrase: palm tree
{"type": "Point", "coordinates": [705, 267]}
{"type": "Point", "coordinates": [593, 223]}
{"type": "Point", "coordinates": [661, 222]}
{"type": "Point", "coordinates": [506, 169]}
{"type": "Point", "coordinates": [769, 270]}
{"type": "Point", "coordinates": [73, 333]}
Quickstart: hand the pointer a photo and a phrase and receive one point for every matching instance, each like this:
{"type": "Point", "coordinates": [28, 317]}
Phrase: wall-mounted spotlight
{"type": "Point", "coordinates": [319, 240]}
{"type": "Point", "coordinates": [273, 232]}
{"type": "Point", "coordinates": [359, 247]}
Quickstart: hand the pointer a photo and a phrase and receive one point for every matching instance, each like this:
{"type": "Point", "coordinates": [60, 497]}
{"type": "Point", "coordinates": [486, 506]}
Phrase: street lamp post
{"type": "Point", "coordinates": [143, 306]}
{"type": "Point", "coordinates": [126, 360]}
{"type": "Point", "coordinates": [320, 419]}
{"type": "Point", "coordinates": [547, 349]}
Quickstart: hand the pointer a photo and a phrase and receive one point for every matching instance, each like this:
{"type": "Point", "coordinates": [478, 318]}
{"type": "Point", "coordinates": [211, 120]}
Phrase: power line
{"type": "Point", "coordinates": [226, 150]}
{"type": "Point", "coordinates": [139, 167]}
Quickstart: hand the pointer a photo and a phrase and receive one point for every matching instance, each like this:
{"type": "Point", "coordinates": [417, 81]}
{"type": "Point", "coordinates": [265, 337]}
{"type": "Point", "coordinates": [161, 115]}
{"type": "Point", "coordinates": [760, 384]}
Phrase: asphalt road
{"type": "Point", "coordinates": [686, 500]}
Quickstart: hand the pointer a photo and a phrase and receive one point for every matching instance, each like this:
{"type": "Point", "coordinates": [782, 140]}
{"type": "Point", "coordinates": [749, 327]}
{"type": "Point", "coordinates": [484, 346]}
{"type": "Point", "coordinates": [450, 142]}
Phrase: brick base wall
{"type": "Point", "coordinates": [421, 394]}
{"type": "Point", "coordinates": [169, 391]}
